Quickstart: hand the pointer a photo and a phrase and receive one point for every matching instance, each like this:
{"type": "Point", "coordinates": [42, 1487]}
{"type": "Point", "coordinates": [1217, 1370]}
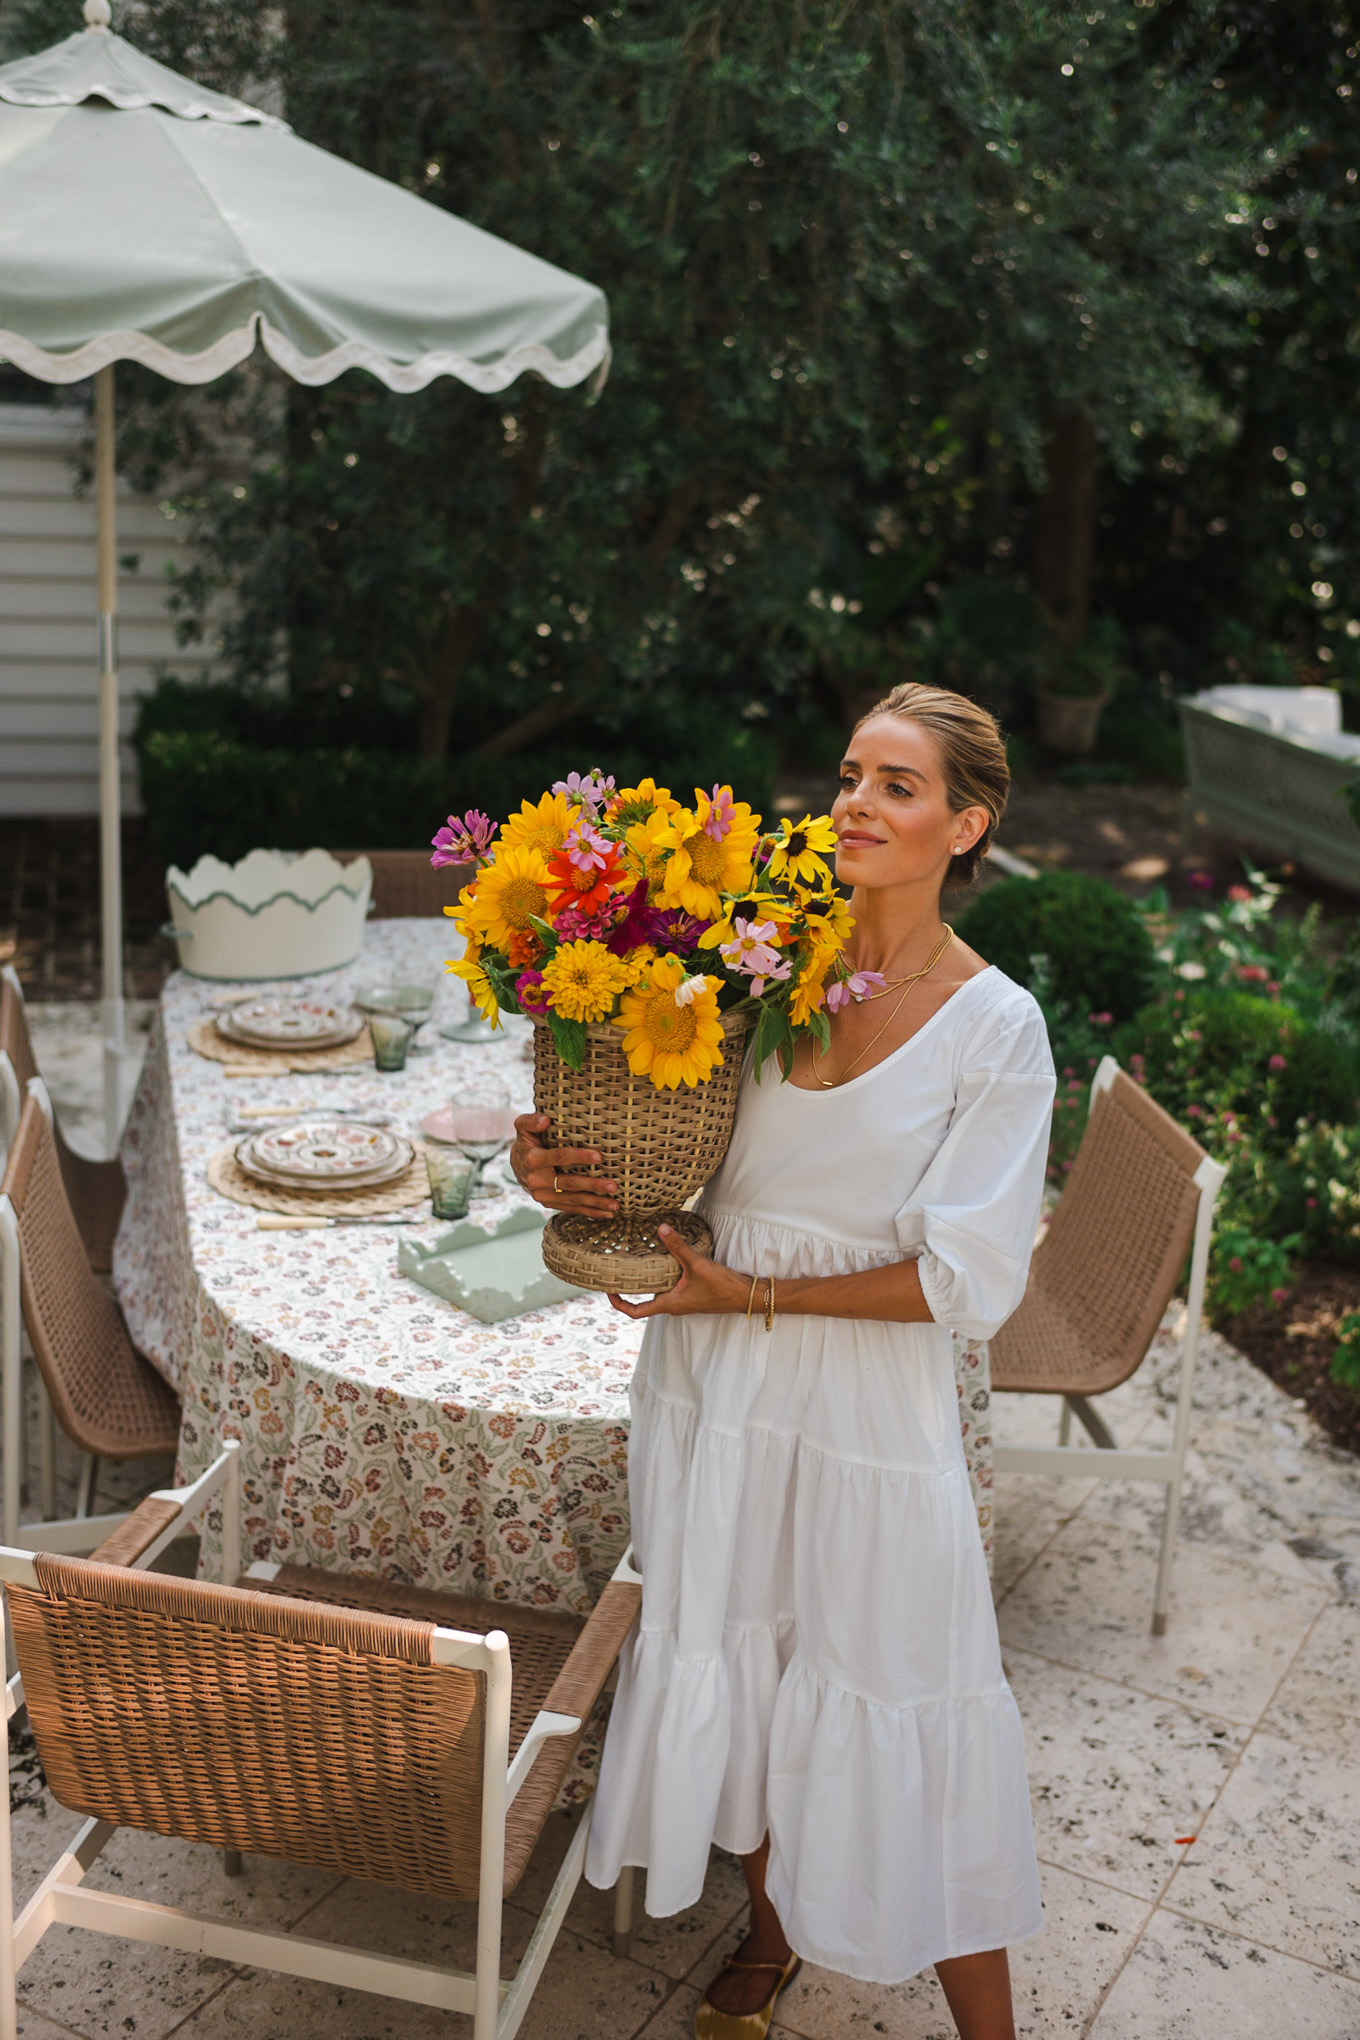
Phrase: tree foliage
{"type": "Point", "coordinates": [939, 326]}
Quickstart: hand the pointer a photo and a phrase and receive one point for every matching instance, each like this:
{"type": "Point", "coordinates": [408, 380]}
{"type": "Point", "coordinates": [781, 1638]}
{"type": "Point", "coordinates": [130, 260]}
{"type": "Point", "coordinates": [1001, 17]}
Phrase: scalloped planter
{"type": "Point", "coordinates": [271, 916]}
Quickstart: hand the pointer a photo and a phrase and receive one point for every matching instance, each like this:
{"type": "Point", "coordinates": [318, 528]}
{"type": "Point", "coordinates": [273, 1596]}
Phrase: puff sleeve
{"type": "Point", "coordinates": [971, 1220]}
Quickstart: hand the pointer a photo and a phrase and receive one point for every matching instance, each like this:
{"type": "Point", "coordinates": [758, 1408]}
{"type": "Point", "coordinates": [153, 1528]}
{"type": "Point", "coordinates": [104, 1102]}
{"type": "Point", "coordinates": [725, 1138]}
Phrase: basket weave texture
{"type": "Point", "coordinates": [658, 1146]}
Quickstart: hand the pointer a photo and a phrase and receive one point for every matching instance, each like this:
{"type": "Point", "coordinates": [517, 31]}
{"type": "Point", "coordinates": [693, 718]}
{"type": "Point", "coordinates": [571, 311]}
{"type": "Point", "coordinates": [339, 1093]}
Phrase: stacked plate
{"type": "Point", "coordinates": [289, 1023]}
{"type": "Point", "coordinates": [323, 1153]}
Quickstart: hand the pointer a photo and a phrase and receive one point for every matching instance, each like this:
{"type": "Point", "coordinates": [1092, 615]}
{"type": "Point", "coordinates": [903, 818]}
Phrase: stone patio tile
{"type": "Point", "coordinates": [1276, 1860]}
{"type": "Point", "coordinates": [1184, 1981]}
{"type": "Point", "coordinates": [673, 1945]}
{"type": "Point", "coordinates": [1319, 1701]}
{"type": "Point", "coordinates": [1232, 1632]}
{"type": "Point", "coordinates": [1114, 1775]}
{"type": "Point", "coordinates": [1030, 1510]}
{"type": "Point", "coordinates": [268, 1893]}
{"type": "Point", "coordinates": [1057, 1978]}
{"type": "Point", "coordinates": [32, 2026]}
{"type": "Point", "coordinates": [95, 1985]}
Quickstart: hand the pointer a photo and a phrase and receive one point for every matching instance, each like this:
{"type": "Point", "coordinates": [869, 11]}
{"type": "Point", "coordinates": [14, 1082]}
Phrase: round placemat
{"type": "Point", "coordinates": [205, 1040]}
{"type": "Point", "coordinates": [623, 1257]}
{"type": "Point", "coordinates": [226, 1176]}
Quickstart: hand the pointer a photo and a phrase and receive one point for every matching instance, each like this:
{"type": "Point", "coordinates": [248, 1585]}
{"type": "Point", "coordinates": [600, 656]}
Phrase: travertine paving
{"type": "Point", "coordinates": [1240, 1727]}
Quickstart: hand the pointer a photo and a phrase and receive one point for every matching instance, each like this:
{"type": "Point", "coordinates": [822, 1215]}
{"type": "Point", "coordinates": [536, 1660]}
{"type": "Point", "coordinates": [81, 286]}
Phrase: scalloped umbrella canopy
{"type": "Point", "coordinates": [145, 218]}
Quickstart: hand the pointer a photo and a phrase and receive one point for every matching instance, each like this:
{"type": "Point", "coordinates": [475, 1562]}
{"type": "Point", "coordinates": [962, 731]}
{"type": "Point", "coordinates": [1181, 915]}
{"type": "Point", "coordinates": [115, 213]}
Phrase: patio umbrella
{"type": "Point", "coordinates": [144, 218]}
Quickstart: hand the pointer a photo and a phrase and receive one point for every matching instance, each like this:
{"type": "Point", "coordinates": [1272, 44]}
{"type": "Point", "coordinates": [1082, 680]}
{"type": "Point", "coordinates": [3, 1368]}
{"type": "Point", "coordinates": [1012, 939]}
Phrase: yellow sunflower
{"type": "Point", "coordinates": [829, 919]}
{"type": "Point", "coordinates": [702, 868]}
{"type": "Point", "coordinates": [810, 990]}
{"type": "Point", "coordinates": [510, 889]}
{"type": "Point", "coordinates": [649, 848]}
{"type": "Point", "coordinates": [582, 980]}
{"type": "Point", "coordinates": [796, 847]}
{"type": "Point", "coordinates": [633, 804]}
{"type": "Point", "coordinates": [672, 1029]}
{"type": "Point", "coordinates": [539, 827]}
{"type": "Point", "coordinates": [479, 987]}
{"type": "Point", "coordinates": [752, 906]}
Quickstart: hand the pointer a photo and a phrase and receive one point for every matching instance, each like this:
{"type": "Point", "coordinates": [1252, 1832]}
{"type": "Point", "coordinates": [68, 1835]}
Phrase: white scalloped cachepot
{"type": "Point", "coordinates": [274, 915]}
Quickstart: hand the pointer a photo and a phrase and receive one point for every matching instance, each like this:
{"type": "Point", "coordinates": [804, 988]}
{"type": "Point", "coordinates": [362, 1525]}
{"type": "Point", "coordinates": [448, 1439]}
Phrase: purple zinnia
{"type": "Point", "coordinates": [530, 993]}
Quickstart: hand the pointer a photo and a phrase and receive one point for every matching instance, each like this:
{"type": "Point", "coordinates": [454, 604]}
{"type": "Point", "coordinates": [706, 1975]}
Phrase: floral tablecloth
{"type": "Point", "coordinates": [383, 1430]}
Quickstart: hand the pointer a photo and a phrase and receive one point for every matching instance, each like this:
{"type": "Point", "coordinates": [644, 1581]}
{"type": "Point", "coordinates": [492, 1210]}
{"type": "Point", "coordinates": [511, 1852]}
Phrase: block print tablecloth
{"type": "Point", "coordinates": [382, 1430]}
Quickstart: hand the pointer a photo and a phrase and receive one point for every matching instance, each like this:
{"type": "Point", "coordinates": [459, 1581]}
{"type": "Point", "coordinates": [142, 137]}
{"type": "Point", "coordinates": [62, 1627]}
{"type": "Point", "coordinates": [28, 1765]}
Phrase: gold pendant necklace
{"type": "Point", "coordinates": [832, 1083]}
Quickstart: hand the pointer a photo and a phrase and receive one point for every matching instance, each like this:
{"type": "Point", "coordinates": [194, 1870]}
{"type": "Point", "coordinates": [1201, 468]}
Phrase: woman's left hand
{"type": "Point", "coordinates": [704, 1285]}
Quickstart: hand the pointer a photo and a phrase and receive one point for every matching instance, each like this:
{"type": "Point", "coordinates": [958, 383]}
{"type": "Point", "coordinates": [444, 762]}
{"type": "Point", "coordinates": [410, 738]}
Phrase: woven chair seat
{"type": "Point", "coordinates": [97, 1191]}
{"type": "Point", "coordinates": [106, 1396]}
{"type": "Point", "coordinates": [406, 886]}
{"type": "Point", "coordinates": [302, 1718]}
{"type": "Point", "coordinates": [1108, 1265]}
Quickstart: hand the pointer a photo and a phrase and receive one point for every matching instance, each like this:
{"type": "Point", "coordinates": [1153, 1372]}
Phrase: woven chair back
{"type": "Point", "coordinates": [14, 1035]}
{"type": "Point", "coordinates": [106, 1396]}
{"type": "Point", "coordinates": [406, 886]}
{"type": "Point", "coordinates": [1108, 1265]}
{"type": "Point", "coordinates": [252, 1721]}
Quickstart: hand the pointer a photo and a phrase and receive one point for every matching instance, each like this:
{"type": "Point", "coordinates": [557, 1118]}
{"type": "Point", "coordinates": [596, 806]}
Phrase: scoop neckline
{"type": "Point", "coordinates": [839, 1090]}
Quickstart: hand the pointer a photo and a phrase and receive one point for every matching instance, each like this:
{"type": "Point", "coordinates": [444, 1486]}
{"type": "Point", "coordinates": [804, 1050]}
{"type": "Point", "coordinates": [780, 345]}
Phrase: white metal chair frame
{"type": "Point", "coordinates": [497, 2008]}
{"type": "Point", "coordinates": [1109, 1460]}
{"type": "Point", "coordinates": [69, 1536]}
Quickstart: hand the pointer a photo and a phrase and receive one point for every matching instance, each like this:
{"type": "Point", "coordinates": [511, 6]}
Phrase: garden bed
{"type": "Point", "coordinates": [1293, 1342]}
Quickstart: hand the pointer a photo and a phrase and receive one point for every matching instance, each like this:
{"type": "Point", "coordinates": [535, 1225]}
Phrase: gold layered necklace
{"type": "Point", "coordinates": [831, 1083]}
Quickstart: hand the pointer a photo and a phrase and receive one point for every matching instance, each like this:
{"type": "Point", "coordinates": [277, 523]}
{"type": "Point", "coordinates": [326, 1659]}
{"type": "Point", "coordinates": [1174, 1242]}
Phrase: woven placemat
{"type": "Point", "coordinates": [205, 1040]}
{"type": "Point", "coordinates": [228, 1177]}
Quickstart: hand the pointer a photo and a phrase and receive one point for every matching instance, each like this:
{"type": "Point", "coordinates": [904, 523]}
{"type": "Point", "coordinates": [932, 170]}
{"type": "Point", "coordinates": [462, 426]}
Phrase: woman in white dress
{"type": "Point", "coordinates": [816, 1684]}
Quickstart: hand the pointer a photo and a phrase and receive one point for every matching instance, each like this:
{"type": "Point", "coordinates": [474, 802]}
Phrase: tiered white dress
{"type": "Point", "coordinates": [818, 1654]}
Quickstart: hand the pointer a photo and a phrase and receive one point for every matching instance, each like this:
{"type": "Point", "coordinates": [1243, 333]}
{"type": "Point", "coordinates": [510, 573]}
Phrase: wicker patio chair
{"type": "Point", "coordinates": [1140, 1198]}
{"type": "Point", "coordinates": [371, 1731]}
{"type": "Point", "coordinates": [406, 885]}
{"type": "Point", "coordinates": [108, 1399]}
{"type": "Point", "coordinates": [97, 1191]}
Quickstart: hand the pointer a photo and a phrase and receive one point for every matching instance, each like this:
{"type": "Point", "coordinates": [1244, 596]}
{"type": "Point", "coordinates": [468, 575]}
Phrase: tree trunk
{"type": "Point", "coordinates": [441, 686]}
{"type": "Point", "coordinates": [1065, 526]}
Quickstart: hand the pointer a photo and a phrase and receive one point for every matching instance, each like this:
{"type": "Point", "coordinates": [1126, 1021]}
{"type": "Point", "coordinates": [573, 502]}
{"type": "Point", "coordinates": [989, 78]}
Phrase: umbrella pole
{"type": "Point", "coordinates": [110, 790]}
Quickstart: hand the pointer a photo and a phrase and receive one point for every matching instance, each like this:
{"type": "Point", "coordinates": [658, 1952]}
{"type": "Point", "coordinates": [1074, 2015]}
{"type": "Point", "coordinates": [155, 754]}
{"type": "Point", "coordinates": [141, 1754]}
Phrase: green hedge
{"type": "Point", "coordinates": [206, 789]}
{"type": "Point", "coordinates": [1100, 956]}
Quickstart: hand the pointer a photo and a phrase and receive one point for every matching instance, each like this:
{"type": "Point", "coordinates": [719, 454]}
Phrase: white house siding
{"type": "Point", "coordinates": [49, 719]}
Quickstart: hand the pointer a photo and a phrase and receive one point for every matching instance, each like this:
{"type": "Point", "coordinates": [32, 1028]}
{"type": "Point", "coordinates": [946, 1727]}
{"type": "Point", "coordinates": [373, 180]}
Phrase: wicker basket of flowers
{"type": "Point", "coordinates": [647, 941]}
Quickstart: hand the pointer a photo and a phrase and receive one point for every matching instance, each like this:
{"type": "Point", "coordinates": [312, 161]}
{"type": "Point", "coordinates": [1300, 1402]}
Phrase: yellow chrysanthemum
{"type": "Point", "coordinates": [810, 990]}
{"type": "Point", "coordinates": [672, 1029]}
{"type": "Point", "coordinates": [479, 987]}
{"type": "Point", "coordinates": [633, 804]}
{"type": "Point", "coordinates": [703, 868]}
{"type": "Point", "coordinates": [582, 980]}
{"type": "Point", "coordinates": [542, 826]}
{"type": "Point", "coordinates": [795, 854]}
{"type": "Point", "coordinates": [511, 889]}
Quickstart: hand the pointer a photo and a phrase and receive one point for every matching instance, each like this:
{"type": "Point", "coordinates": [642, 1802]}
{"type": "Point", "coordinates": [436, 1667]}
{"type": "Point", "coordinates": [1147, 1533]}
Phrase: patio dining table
{"type": "Point", "coordinates": [383, 1430]}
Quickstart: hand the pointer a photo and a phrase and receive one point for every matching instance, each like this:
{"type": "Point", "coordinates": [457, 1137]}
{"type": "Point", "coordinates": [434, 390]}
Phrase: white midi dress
{"type": "Point", "coordinates": [818, 1655]}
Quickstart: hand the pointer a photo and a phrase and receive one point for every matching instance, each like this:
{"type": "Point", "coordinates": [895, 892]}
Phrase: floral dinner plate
{"type": "Point", "coordinates": [323, 1150]}
{"type": "Point", "coordinates": [290, 1023]}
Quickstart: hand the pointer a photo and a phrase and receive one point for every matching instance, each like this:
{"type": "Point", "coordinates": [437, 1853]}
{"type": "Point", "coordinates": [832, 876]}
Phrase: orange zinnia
{"type": "Point", "coordinates": [569, 886]}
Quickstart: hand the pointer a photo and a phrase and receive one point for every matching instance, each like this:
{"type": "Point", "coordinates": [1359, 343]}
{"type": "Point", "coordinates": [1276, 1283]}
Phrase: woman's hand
{"type": "Point", "coordinates": [704, 1286]}
{"type": "Point", "coordinates": [535, 1168]}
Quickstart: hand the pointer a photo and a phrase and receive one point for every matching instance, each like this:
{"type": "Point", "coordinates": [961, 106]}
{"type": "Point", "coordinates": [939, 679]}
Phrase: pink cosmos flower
{"type": "Point", "coordinates": [463, 838]}
{"type": "Point", "coordinates": [588, 789]}
{"type": "Point", "coordinates": [857, 986]}
{"type": "Point", "coordinates": [720, 814]}
{"type": "Point", "coordinates": [586, 849]}
{"type": "Point", "coordinates": [530, 993]}
{"type": "Point", "coordinates": [754, 953]}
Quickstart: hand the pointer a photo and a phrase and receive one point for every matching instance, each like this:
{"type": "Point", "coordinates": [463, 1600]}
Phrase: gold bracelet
{"type": "Point", "coordinates": [752, 1297]}
{"type": "Point", "coordinates": [769, 1303]}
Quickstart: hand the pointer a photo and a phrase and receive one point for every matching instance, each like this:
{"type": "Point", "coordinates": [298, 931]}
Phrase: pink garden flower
{"type": "Point", "coordinates": [753, 953]}
{"type": "Point", "coordinates": [857, 986]}
{"type": "Point", "coordinates": [589, 790]}
{"type": "Point", "coordinates": [1277, 1062]}
{"type": "Point", "coordinates": [463, 838]}
{"type": "Point", "coordinates": [531, 995]}
{"type": "Point", "coordinates": [586, 849]}
{"type": "Point", "coordinates": [720, 814]}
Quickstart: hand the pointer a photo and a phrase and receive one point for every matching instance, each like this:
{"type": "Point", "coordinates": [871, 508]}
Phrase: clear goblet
{"type": "Point", "coordinates": [482, 1125]}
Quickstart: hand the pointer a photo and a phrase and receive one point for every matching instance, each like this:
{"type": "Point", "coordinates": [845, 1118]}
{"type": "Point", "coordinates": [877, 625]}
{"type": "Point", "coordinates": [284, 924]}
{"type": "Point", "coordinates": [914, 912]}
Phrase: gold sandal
{"type": "Point", "coordinates": [711, 2024]}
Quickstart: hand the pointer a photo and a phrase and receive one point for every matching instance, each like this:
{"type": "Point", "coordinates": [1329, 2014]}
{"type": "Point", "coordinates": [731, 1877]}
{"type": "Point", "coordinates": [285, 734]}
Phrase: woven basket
{"type": "Point", "coordinates": [658, 1146]}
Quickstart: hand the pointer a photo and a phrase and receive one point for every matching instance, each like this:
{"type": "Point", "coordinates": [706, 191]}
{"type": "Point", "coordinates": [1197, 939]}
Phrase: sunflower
{"type": "Point", "coordinates": [829, 919]}
{"type": "Point", "coordinates": [479, 988]}
{"type": "Point", "coordinates": [582, 980]}
{"type": "Point", "coordinates": [649, 849]}
{"type": "Point", "coordinates": [632, 804]}
{"type": "Point", "coordinates": [512, 888]}
{"type": "Point", "coordinates": [751, 906]}
{"type": "Point", "coordinates": [810, 990]}
{"type": "Point", "coordinates": [703, 866]}
{"type": "Point", "coordinates": [796, 847]}
{"type": "Point", "coordinates": [543, 827]}
{"type": "Point", "coordinates": [672, 1029]}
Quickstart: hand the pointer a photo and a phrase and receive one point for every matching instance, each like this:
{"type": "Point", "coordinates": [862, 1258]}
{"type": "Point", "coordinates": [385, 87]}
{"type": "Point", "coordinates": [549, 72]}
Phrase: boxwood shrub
{"type": "Point", "coordinates": [1100, 956]}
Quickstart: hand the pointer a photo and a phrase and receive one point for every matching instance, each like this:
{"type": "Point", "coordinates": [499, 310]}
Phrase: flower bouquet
{"type": "Point", "coordinates": [646, 939]}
